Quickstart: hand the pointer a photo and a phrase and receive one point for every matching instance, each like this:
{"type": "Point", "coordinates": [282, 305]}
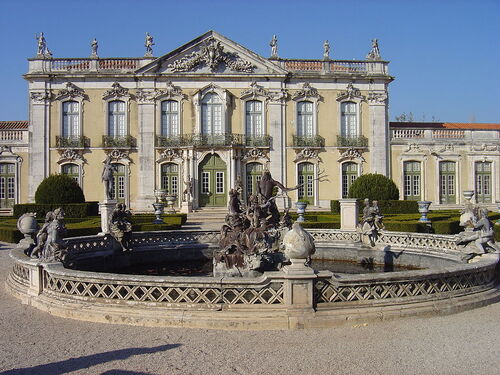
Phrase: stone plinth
{"type": "Point", "coordinates": [299, 284]}
{"type": "Point", "coordinates": [348, 214]}
{"type": "Point", "coordinates": [186, 207]}
{"type": "Point", "coordinates": [106, 209]}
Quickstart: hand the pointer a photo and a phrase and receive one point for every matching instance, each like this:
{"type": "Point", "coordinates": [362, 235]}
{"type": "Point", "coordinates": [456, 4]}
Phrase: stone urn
{"type": "Point", "coordinates": [301, 210]}
{"type": "Point", "coordinates": [423, 208]}
{"type": "Point", "coordinates": [170, 199]}
{"type": "Point", "coordinates": [28, 226]}
{"type": "Point", "coordinates": [468, 194]}
{"type": "Point", "coordinates": [160, 195]}
{"type": "Point", "coordinates": [158, 206]}
{"type": "Point", "coordinates": [298, 243]}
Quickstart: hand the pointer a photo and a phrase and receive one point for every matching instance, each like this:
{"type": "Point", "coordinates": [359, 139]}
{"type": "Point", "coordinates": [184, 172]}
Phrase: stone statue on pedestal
{"type": "Point", "coordinates": [274, 47]}
{"type": "Point", "coordinates": [371, 223]}
{"type": "Point", "coordinates": [326, 50]}
{"type": "Point", "coordinates": [374, 53]}
{"type": "Point", "coordinates": [108, 178]}
{"type": "Point", "coordinates": [149, 45]}
{"type": "Point", "coordinates": [42, 45]}
{"type": "Point", "coordinates": [94, 46]}
{"type": "Point", "coordinates": [121, 228]}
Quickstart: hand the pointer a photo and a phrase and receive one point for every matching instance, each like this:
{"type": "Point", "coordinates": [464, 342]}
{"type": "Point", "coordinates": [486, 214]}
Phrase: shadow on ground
{"type": "Point", "coordinates": [79, 363]}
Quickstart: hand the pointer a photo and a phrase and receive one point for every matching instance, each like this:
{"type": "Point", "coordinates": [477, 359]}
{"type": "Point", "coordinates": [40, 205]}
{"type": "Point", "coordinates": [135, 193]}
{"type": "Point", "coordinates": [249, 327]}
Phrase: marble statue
{"type": "Point", "coordinates": [94, 46]}
{"type": "Point", "coordinates": [188, 190]}
{"type": "Point", "coordinates": [108, 178]}
{"type": "Point", "coordinates": [55, 248]}
{"type": "Point", "coordinates": [42, 44]}
{"type": "Point", "coordinates": [374, 53]}
{"type": "Point", "coordinates": [371, 223]}
{"type": "Point", "coordinates": [149, 45]}
{"type": "Point", "coordinates": [326, 50]}
{"type": "Point", "coordinates": [41, 236]}
{"type": "Point", "coordinates": [121, 228]}
{"type": "Point", "coordinates": [274, 47]}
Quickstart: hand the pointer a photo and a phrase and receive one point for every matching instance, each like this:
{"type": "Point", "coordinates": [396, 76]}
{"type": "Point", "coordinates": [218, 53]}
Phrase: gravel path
{"type": "Point", "coordinates": [34, 342]}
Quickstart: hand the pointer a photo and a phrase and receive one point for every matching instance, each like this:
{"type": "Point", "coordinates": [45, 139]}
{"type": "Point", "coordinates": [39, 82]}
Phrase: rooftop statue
{"type": "Point", "coordinates": [326, 50]}
{"type": "Point", "coordinates": [148, 43]}
{"type": "Point", "coordinates": [42, 46]}
{"type": "Point", "coordinates": [94, 46]}
{"type": "Point", "coordinates": [374, 53]}
{"type": "Point", "coordinates": [274, 47]}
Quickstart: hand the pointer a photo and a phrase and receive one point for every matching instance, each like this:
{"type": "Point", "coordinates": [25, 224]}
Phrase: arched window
{"type": "Point", "coordinates": [170, 178]}
{"type": "Point", "coordinates": [7, 185]}
{"type": "Point", "coordinates": [71, 119]}
{"type": "Point", "coordinates": [349, 120]}
{"type": "Point", "coordinates": [306, 182]}
{"type": "Point", "coordinates": [483, 181]}
{"type": "Point", "coordinates": [72, 170]}
{"type": "Point", "coordinates": [349, 175]}
{"type": "Point", "coordinates": [254, 126]}
{"type": "Point", "coordinates": [253, 176]}
{"type": "Point", "coordinates": [305, 125]}
{"type": "Point", "coordinates": [447, 181]}
{"type": "Point", "coordinates": [116, 119]}
{"type": "Point", "coordinates": [211, 115]}
{"type": "Point", "coordinates": [411, 170]}
{"type": "Point", "coordinates": [169, 118]}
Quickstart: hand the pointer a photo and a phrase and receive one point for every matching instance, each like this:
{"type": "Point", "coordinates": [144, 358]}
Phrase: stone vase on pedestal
{"type": "Point", "coordinates": [423, 208]}
{"type": "Point", "coordinates": [301, 210]}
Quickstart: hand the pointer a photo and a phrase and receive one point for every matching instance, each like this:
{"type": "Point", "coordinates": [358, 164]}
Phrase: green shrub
{"type": "Point", "coordinates": [148, 218]}
{"type": "Point", "coordinates": [320, 225]}
{"type": "Point", "coordinates": [374, 187]}
{"type": "Point", "coordinates": [79, 210]}
{"type": "Point", "coordinates": [386, 207]}
{"type": "Point", "coordinates": [59, 189]}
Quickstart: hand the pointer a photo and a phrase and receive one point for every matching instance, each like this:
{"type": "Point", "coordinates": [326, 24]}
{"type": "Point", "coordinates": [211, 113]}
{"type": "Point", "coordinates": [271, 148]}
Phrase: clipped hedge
{"type": "Point", "coordinates": [148, 218]}
{"type": "Point", "coordinates": [80, 210]}
{"type": "Point", "coordinates": [374, 186]}
{"type": "Point", "coordinates": [386, 206]}
{"type": "Point", "coordinates": [59, 189]}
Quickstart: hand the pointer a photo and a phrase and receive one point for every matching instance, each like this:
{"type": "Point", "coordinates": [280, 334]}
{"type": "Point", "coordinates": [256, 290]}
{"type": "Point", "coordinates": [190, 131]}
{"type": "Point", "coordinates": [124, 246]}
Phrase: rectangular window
{"type": "Point", "coordinates": [121, 187]}
{"type": "Point", "coordinates": [301, 186]}
{"type": "Point", "coordinates": [169, 118]}
{"type": "Point", "coordinates": [305, 126]}
{"type": "Point", "coordinates": [310, 186]}
{"type": "Point", "coordinates": [2, 187]}
{"type": "Point", "coordinates": [219, 182]}
{"type": "Point", "coordinates": [205, 182]}
{"type": "Point", "coordinates": [254, 123]}
{"type": "Point", "coordinates": [349, 120]}
{"type": "Point", "coordinates": [116, 119]}
{"type": "Point", "coordinates": [10, 187]}
{"type": "Point", "coordinates": [249, 184]}
{"type": "Point", "coordinates": [71, 119]}
{"type": "Point", "coordinates": [174, 187]}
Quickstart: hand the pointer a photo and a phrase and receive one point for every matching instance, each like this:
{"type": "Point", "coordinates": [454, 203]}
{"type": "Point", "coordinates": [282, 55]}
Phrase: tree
{"type": "Point", "coordinates": [59, 189]}
{"type": "Point", "coordinates": [374, 187]}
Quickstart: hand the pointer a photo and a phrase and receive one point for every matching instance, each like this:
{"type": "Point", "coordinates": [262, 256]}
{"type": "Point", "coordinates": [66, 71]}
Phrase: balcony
{"type": "Point", "coordinates": [312, 141]}
{"type": "Point", "coordinates": [201, 140]}
{"type": "Point", "coordinates": [258, 140]}
{"type": "Point", "coordinates": [357, 141]}
{"type": "Point", "coordinates": [72, 142]}
{"type": "Point", "coordinates": [126, 141]}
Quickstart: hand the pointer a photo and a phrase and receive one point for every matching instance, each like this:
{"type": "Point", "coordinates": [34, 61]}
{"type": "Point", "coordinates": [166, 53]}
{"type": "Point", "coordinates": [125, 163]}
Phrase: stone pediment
{"type": "Point", "coordinates": [212, 53]}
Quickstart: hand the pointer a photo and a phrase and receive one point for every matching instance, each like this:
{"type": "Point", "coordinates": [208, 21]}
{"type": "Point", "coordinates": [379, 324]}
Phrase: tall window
{"type": "Point", "coordinates": [71, 119]}
{"type": "Point", "coordinates": [169, 118]}
{"type": "Point", "coordinates": [116, 119]}
{"type": "Point", "coordinates": [483, 182]}
{"type": "Point", "coordinates": [7, 185]}
{"type": "Point", "coordinates": [306, 182]}
{"type": "Point", "coordinates": [254, 125]}
{"type": "Point", "coordinates": [447, 180]}
{"type": "Point", "coordinates": [349, 174]}
{"type": "Point", "coordinates": [170, 178]}
{"type": "Point", "coordinates": [254, 174]}
{"type": "Point", "coordinates": [119, 192]}
{"type": "Point", "coordinates": [211, 114]}
{"type": "Point", "coordinates": [411, 171]}
{"type": "Point", "coordinates": [305, 127]}
{"type": "Point", "coordinates": [72, 170]}
{"type": "Point", "coordinates": [349, 119]}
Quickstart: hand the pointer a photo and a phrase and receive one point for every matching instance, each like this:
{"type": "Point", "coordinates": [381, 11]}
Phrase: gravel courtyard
{"type": "Point", "coordinates": [34, 342]}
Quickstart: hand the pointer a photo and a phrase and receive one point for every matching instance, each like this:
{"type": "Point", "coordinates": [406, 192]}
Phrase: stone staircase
{"type": "Point", "coordinates": [206, 218]}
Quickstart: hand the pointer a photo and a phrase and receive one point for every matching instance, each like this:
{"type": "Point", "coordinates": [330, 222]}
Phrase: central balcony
{"type": "Point", "coordinates": [356, 141]}
{"type": "Point", "coordinates": [124, 141]}
{"type": "Point", "coordinates": [308, 141]}
{"type": "Point", "coordinates": [72, 142]}
{"type": "Point", "coordinates": [212, 140]}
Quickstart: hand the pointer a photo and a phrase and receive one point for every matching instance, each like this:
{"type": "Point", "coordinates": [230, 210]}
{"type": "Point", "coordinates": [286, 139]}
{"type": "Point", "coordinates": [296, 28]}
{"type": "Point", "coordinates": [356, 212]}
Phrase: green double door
{"type": "Point", "coordinates": [212, 182]}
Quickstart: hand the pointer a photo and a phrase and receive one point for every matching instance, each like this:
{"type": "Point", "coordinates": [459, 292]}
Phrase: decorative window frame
{"type": "Point", "coordinates": [493, 159]}
{"type": "Point", "coordinates": [173, 93]}
{"type": "Point", "coordinates": [315, 180]}
{"type": "Point", "coordinates": [9, 157]}
{"type": "Point", "coordinates": [71, 156]}
{"type": "Point", "coordinates": [358, 162]}
{"type": "Point", "coordinates": [422, 159]}
{"type": "Point", "coordinates": [255, 93]}
{"type": "Point", "coordinates": [71, 93]}
{"type": "Point", "coordinates": [352, 94]}
{"type": "Point", "coordinates": [307, 94]}
{"type": "Point", "coordinates": [225, 97]}
{"type": "Point", "coordinates": [80, 170]}
{"type": "Point", "coordinates": [457, 159]}
{"type": "Point", "coordinates": [117, 92]}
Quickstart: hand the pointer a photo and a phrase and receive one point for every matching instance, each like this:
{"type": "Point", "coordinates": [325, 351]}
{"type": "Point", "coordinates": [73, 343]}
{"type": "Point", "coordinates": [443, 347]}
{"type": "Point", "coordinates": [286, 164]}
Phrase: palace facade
{"type": "Point", "coordinates": [216, 114]}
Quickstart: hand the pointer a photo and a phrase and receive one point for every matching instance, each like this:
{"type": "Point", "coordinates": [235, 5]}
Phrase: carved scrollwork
{"type": "Point", "coordinates": [211, 54]}
{"type": "Point", "coordinates": [278, 96]}
{"type": "Point", "coordinates": [484, 147]}
{"type": "Point", "coordinates": [39, 97]}
{"type": "Point", "coordinates": [70, 155]}
{"type": "Point", "coordinates": [351, 154]}
{"type": "Point", "coordinates": [71, 91]}
{"type": "Point", "coordinates": [146, 96]}
{"type": "Point", "coordinates": [171, 91]}
{"type": "Point", "coordinates": [307, 91]}
{"type": "Point", "coordinates": [377, 98]}
{"type": "Point", "coordinates": [170, 154]}
{"type": "Point", "coordinates": [116, 91]}
{"type": "Point", "coordinates": [413, 147]}
{"type": "Point", "coordinates": [307, 154]}
{"type": "Point", "coordinates": [351, 93]}
{"type": "Point", "coordinates": [255, 91]}
{"type": "Point", "coordinates": [118, 155]}
{"type": "Point", "coordinates": [254, 154]}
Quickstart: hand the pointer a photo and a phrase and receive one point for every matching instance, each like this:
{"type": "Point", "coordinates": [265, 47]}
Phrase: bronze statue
{"type": "Point", "coordinates": [121, 228]}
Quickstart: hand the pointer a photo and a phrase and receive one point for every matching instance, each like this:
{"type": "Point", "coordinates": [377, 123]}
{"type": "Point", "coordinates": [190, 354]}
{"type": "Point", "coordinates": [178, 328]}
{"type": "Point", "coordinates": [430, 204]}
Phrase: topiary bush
{"type": "Point", "coordinates": [59, 189]}
{"type": "Point", "coordinates": [374, 187]}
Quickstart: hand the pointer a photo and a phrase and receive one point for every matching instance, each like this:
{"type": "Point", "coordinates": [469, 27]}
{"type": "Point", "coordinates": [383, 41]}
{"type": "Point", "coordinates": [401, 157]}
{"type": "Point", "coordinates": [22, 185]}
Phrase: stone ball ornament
{"type": "Point", "coordinates": [27, 224]}
{"type": "Point", "coordinates": [298, 243]}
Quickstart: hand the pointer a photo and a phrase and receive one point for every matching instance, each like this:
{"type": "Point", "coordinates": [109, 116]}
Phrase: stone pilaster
{"type": "Point", "coordinates": [277, 152]}
{"type": "Point", "coordinates": [348, 214]}
{"type": "Point", "coordinates": [146, 156]}
{"type": "Point", "coordinates": [379, 136]}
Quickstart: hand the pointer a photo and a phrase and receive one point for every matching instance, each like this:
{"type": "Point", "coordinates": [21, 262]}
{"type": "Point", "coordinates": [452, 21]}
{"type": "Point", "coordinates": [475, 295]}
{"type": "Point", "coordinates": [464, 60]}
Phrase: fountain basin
{"type": "Point", "coordinates": [271, 301]}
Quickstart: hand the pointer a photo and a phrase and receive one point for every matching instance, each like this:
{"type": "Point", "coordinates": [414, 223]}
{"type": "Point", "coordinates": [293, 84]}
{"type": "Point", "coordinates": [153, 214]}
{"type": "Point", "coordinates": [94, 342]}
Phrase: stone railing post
{"type": "Point", "coordinates": [36, 284]}
{"type": "Point", "coordinates": [299, 285]}
{"type": "Point", "coordinates": [348, 214]}
{"type": "Point", "coordinates": [106, 209]}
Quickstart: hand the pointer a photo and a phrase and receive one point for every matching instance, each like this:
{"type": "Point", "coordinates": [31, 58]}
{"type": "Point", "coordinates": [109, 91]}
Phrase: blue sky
{"type": "Point", "coordinates": [444, 54]}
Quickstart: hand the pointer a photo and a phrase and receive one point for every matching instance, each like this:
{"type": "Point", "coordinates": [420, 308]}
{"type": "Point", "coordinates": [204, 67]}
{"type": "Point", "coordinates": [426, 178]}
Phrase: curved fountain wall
{"type": "Point", "coordinates": [276, 300]}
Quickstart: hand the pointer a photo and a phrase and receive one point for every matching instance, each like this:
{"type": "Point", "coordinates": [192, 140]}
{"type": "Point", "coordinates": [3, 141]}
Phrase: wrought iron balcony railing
{"type": "Point", "coordinates": [358, 141]}
{"type": "Point", "coordinates": [308, 141]}
{"type": "Point", "coordinates": [118, 141]}
{"type": "Point", "coordinates": [258, 140]}
{"type": "Point", "coordinates": [72, 142]}
{"type": "Point", "coordinates": [201, 140]}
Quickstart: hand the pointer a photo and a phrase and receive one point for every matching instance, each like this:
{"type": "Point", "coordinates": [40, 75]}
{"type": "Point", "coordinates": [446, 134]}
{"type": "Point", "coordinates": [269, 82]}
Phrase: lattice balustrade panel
{"type": "Point", "coordinates": [271, 294]}
{"type": "Point", "coordinates": [418, 241]}
{"type": "Point", "coordinates": [21, 273]}
{"type": "Point", "coordinates": [334, 235]}
{"type": "Point", "coordinates": [325, 291]}
{"type": "Point", "coordinates": [142, 239]}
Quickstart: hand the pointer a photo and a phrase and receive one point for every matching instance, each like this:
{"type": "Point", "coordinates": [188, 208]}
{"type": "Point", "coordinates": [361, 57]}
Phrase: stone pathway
{"type": "Point", "coordinates": [34, 342]}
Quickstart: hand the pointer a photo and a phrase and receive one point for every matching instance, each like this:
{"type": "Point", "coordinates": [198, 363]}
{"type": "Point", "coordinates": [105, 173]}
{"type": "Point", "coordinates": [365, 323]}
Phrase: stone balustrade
{"type": "Point", "coordinates": [433, 135]}
{"type": "Point", "coordinates": [13, 136]}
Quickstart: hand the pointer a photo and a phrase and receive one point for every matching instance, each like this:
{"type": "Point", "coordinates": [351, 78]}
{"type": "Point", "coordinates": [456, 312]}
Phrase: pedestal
{"type": "Point", "coordinates": [106, 209]}
{"type": "Point", "coordinates": [299, 285]}
{"type": "Point", "coordinates": [186, 207]}
{"type": "Point", "coordinates": [348, 214]}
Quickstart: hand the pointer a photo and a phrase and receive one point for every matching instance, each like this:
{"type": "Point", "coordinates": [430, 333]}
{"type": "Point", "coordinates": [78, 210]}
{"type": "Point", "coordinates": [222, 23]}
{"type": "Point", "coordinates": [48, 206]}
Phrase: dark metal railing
{"type": "Point", "coordinates": [308, 141]}
{"type": "Point", "coordinates": [72, 142]}
{"type": "Point", "coordinates": [209, 140]}
{"type": "Point", "coordinates": [258, 140]}
{"type": "Point", "coordinates": [358, 141]}
{"type": "Point", "coordinates": [118, 141]}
